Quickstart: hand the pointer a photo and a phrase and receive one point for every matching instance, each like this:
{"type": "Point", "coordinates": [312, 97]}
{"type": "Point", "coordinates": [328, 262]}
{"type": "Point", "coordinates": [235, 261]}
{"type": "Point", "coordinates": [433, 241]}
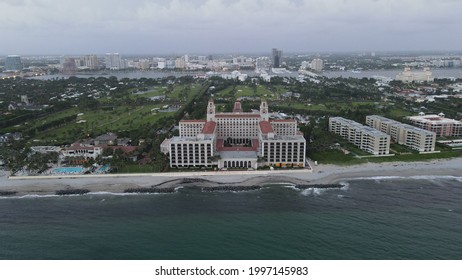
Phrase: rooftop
{"type": "Point", "coordinates": [237, 115]}
{"type": "Point", "coordinates": [284, 121]}
{"type": "Point", "coordinates": [209, 127]}
{"type": "Point", "coordinates": [192, 121]}
{"type": "Point", "coordinates": [434, 119]}
{"type": "Point", "coordinates": [266, 127]}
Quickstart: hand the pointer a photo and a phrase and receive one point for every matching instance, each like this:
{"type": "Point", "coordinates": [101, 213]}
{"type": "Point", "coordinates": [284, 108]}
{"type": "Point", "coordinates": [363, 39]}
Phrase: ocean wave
{"type": "Point", "coordinates": [313, 191]}
{"type": "Point", "coordinates": [416, 177]}
{"type": "Point", "coordinates": [345, 186]}
{"type": "Point", "coordinates": [292, 187]}
{"type": "Point", "coordinates": [120, 194]}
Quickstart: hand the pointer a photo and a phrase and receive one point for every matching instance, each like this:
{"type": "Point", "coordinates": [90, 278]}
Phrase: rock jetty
{"type": "Point", "coordinates": [7, 193]}
{"type": "Point", "coordinates": [149, 190]}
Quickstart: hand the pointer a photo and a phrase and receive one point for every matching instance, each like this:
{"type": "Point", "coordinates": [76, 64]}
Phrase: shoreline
{"type": "Point", "coordinates": [320, 175]}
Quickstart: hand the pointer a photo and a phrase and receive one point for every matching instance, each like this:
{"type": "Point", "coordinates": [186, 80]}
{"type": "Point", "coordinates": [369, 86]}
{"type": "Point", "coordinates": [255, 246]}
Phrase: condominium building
{"type": "Point", "coordinates": [13, 63]}
{"type": "Point", "coordinates": [236, 139]}
{"type": "Point", "coordinates": [317, 64]}
{"type": "Point", "coordinates": [364, 137]}
{"type": "Point", "coordinates": [90, 61]}
{"type": "Point", "coordinates": [413, 137]}
{"type": "Point", "coordinates": [113, 61]}
{"type": "Point", "coordinates": [443, 127]}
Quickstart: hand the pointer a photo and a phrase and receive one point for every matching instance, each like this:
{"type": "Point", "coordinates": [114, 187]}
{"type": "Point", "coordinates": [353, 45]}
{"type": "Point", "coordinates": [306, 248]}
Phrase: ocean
{"type": "Point", "coordinates": [369, 218]}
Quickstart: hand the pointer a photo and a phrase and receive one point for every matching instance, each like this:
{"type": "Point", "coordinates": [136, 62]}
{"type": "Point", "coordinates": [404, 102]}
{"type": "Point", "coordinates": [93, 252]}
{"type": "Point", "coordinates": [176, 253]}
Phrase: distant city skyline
{"type": "Point", "coordinates": [220, 26]}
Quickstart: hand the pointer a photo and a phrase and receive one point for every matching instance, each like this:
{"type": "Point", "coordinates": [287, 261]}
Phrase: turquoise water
{"type": "Point", "coordinates": [370, 219]}
{"type": "Point", "coordinates": [68, 170]}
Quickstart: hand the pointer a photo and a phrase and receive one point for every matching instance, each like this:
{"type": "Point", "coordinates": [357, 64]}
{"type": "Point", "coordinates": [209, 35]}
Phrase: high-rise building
{"type": "Point", "coordinates": [180, 63]}
{"type": "Point", "coordinates": [237, 139]}
{"type": "Point", "coordinates": [114, 62]}
{"type": "Point", "coordinates": [277, 58]}
{"type": "Point", "coordinates": [69, 66]}
{"type": "Point", "coordinates": [90, 62]}
{"type": "Point", "coordinates": [317, 64]}
{"type": "Point", "coordinates": [13, 63]}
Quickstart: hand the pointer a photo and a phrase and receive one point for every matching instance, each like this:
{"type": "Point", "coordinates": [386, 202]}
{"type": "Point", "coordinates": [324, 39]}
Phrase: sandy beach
{"type": "Point", "coordinates": [322, 174]}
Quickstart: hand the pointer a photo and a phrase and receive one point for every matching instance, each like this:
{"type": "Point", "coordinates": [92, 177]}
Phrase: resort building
{"type": "Point", "coordinates": [364, 137]}
{"type": "Point", "coordinates": [413, 137]}
{"type": "Point", "coordinates": [408, 76]}
{"type": "Point", "coordinates": [443, 127]}
{"type": "Point", "coordinates": [77, 150]}
{"type": "Point", "coordinates": [236, 139]}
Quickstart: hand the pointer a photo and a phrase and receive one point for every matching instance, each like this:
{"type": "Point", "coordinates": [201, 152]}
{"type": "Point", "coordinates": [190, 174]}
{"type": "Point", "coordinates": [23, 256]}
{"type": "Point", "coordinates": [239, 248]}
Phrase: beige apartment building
{"type": "Point", "coordinates": [413, 137]}
{"type": "Point", "coordinates": [366, 138]}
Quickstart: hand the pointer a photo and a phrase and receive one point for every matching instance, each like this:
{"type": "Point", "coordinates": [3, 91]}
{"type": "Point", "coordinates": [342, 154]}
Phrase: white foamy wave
{"type": "Point", "coordinates": [292, 187]}
{"type": "Point", "coordinates": [313, 191]}
{"type": "Point", "coordinates": [118, 194]}
{"type": "Point", "coordinates": [178, 188]}
{"type": "Point", "coordinates": [307, 192]}
{"type": "Point", "coordinates": [417, 177]}
{"type": "Point", "coordinates": [436, 177]}
{"type": "Point", "coordinates": [345, 186]}
{"type": "Point", "coordinates": [317, 191]}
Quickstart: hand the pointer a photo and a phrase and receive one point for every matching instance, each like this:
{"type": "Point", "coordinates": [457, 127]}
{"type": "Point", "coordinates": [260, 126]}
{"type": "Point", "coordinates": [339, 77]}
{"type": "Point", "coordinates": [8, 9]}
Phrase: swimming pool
{"type": "Point", "coordinates": [104, 168]}
{"type": "Point", "coordinates": [68, 170]}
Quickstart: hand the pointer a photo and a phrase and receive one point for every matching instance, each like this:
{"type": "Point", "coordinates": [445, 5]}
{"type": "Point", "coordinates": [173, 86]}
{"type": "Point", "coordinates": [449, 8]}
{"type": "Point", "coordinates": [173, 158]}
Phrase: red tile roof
{"type": "Point", "coordinates": [193, 121]}
{"type": "Point", "coordinates": [237, 115]}
{"type": "Point", "coordinates": [288, 120]}
{"type": "Point", "coordinates": [265, 127]}
{"type": "Point", "coordinates": [209, 127]}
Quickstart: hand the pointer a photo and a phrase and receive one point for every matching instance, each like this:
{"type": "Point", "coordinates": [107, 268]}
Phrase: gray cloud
{"type": "Point", "coordinates": [128, 26]}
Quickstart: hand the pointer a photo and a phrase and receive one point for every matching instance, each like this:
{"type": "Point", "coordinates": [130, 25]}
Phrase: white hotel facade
{"type": "Point", "coordinates": [236, 140]}
{"type": "Point", "coordinates": [413, 137]}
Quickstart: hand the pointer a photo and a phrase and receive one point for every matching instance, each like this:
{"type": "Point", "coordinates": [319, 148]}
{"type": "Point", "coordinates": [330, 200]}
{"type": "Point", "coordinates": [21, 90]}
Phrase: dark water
{"type": "Point", "coordinates": [370, 219]}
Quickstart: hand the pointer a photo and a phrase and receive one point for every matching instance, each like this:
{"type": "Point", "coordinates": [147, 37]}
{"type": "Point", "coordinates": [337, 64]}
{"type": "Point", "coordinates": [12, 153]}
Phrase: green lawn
{"type": "Point", "coordinates": [136, 168]}
{"type": "Point", "coordinates": [102, 121]}
{"type": "Point", "coordinates": [261, 91]}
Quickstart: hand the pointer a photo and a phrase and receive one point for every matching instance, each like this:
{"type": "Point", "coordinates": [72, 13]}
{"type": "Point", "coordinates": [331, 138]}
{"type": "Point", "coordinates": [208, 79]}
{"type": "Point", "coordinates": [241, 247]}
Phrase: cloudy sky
{"type": "Point", "coordinates": [231, 26]}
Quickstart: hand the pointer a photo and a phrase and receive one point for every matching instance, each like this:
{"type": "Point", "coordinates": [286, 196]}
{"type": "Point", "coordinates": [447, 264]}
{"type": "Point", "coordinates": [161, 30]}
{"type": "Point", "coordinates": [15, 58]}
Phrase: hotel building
{"type": "Point", "coordinates": [443, 127]}
{"type": "Point", "coordinates": [408, 76]}
{"type": "Point", "coordinates": [413, 137]}
{"type": "Point", "coordinates": [364, 137]}
{"type": "Point", "coordinates": [236, 140]}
